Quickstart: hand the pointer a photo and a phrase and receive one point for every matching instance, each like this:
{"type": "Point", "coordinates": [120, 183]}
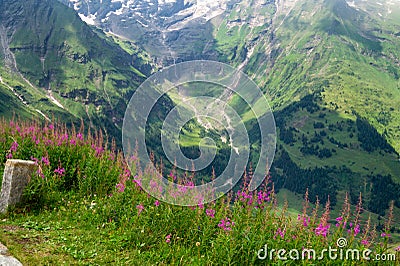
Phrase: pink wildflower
{"type": "Point", "coordinates": [45, 161]}
{"type": "Point", "coordinates": [280, 232]}
{"type": "Point", "coordinates": [364, 242]}
{"type": "Point", "coordinates": [210, 213]}
{"type": "Point", "coordinates": [140, 208]}
{"type": "Point", "coordinates": [356, 230]}
{"type": "Point", "coordinates": [322, 230]}
{"type": "Point", "coordinates": [14, 147]}
{"type": "Point", "coordinates": [120, 187]}
{"type": "Point", "coordinates": [79, 136]}
{"type": "Point", "coordinates": [226, 224]}
{"type": "Point", "coordinates": [60, 171]}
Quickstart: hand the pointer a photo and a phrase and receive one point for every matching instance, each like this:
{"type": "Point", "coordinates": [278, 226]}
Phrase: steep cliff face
{"type": "Point", "coordinates": [65, 64]}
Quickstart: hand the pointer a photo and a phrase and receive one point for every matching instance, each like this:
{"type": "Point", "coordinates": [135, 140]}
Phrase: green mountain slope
{"type": "Point", "coordinates": [332, 74]}
{"type": "Point", "coordinates": [348, 56]}
{"type": "Point", "coordinates": [65, 65]}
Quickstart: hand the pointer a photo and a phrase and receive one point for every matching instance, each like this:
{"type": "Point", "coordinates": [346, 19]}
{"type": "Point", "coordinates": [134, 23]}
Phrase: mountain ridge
{"type": "Point", "coordinates": [65, 65]}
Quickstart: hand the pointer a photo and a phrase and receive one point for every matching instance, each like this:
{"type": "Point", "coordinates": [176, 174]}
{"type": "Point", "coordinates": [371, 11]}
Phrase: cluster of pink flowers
{"type": "Point", "coordinates": [98, 150]}
{"type": "Point", "coordinates": [45, 161]}
{"type": "Point", "coordinates": [322, 230]}
{"type": "Point", "coordinates": [120, 187]}
{"type": "Point", "coordinates": [356, 229]}
{"type": "Point", "coordinates": [245, 197]}
{"type": "Point", "coordinates": [262, 197]}
{"type": "Point", "coordinates": [13, 148]}
{"type": "Point", "coordinates": [305, 220]}
{"type": "Point", "coordinates": [60, 171]}
{"type": "Point", "coordinates": [137, 181]}
{"type": "Point", "coordinates": [280, 233]}
{"type": "Point", "coordinates": [226, 224]}
{"type": "Point", "coordinates": [210, 213]}
{"type": "Point", "coordinates": [172, 176]}
{"type": "Point", "coordinates": [364, 242]}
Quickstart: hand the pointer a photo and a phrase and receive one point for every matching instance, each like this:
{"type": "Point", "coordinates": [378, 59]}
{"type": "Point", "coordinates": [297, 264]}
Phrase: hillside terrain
{"type": "Point", "coordinates": [58, 66]}
{"type": "Point", "coordinates": [330, 69]}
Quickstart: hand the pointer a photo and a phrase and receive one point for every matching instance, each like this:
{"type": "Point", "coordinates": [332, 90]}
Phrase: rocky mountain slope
{"type": "Point", "coordinates": [58, 65]}
{"type": "Point", "coordinates": [169, 30]}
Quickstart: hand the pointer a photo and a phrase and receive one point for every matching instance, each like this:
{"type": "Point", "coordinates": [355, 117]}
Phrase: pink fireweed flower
{"type": "Point", "coordinates": [262, 197]}
{"type": "Point", "coordinates": [14, 147]}
{"type": "Point", "coordinates": [172, 176]}
{"type": "Point", "coordinates": [322, 230]}
{"type": "Point", "coordinates": [397, 249]}
{"type": "Point", "coordinates": [72, 142]}
{"type": "Point", "coordinates": [137, 181]}
{"type": "Point", "coordinates": [245, 197]}
{"type": "Point", "coordinates": [9, 156]}
{"type": "Point", "coordinates": [45, 161]}
{"type": "Point", "coordinates": [280, 232]}
{"type": "Point", "coordinates": [120, 187]}
{"type": "Point", "coordinates": [364, 242]}
{"type": "Point", "coordinates": [157, 203]}
{"type": "Point", "coordinates": [168, 238]}
{"type": "Point", "coordinates": [210, 213]}
{"type": "Point", "coordinates": [356, 230]}
{"type": "Point", "coordinates": [79, 136]}
{"type": "Point", "coordinates": [306, 221]}
{"type": "Point", "coordinates": [386, 235]}
{"type": "Point", "coordinates": [98, 150]}
{"type": "Point", "coordinates": [64, 137]}
{"type": "Point", "coordinates": [60, 171]}
{"type": "Point", "coordinates": [125, 175]}
{"type": "Point", "coordinates": [111, 156]}
{"type": "Point", "coordinates": [40, 173]}
{"type": "Point", "coordinates": [35, 160]}
{"type": "Point", "coordinates": [140, 208]}
{"type": "Point", "coordinates": [182, 189]}
{"type": "Point", "coordinates": [226, 224]}
{"type": "Point", "coordinates": [200, 203]}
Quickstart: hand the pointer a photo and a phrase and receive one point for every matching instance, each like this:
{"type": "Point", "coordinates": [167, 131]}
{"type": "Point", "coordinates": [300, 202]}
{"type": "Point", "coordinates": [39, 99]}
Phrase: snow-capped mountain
{"type": "Point", "coordinates": [156, 25]}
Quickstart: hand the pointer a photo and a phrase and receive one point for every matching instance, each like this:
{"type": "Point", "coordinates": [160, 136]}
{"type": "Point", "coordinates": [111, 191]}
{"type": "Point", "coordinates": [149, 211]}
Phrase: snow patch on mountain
{"type": "Point", "coordinates": [91, 19]}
